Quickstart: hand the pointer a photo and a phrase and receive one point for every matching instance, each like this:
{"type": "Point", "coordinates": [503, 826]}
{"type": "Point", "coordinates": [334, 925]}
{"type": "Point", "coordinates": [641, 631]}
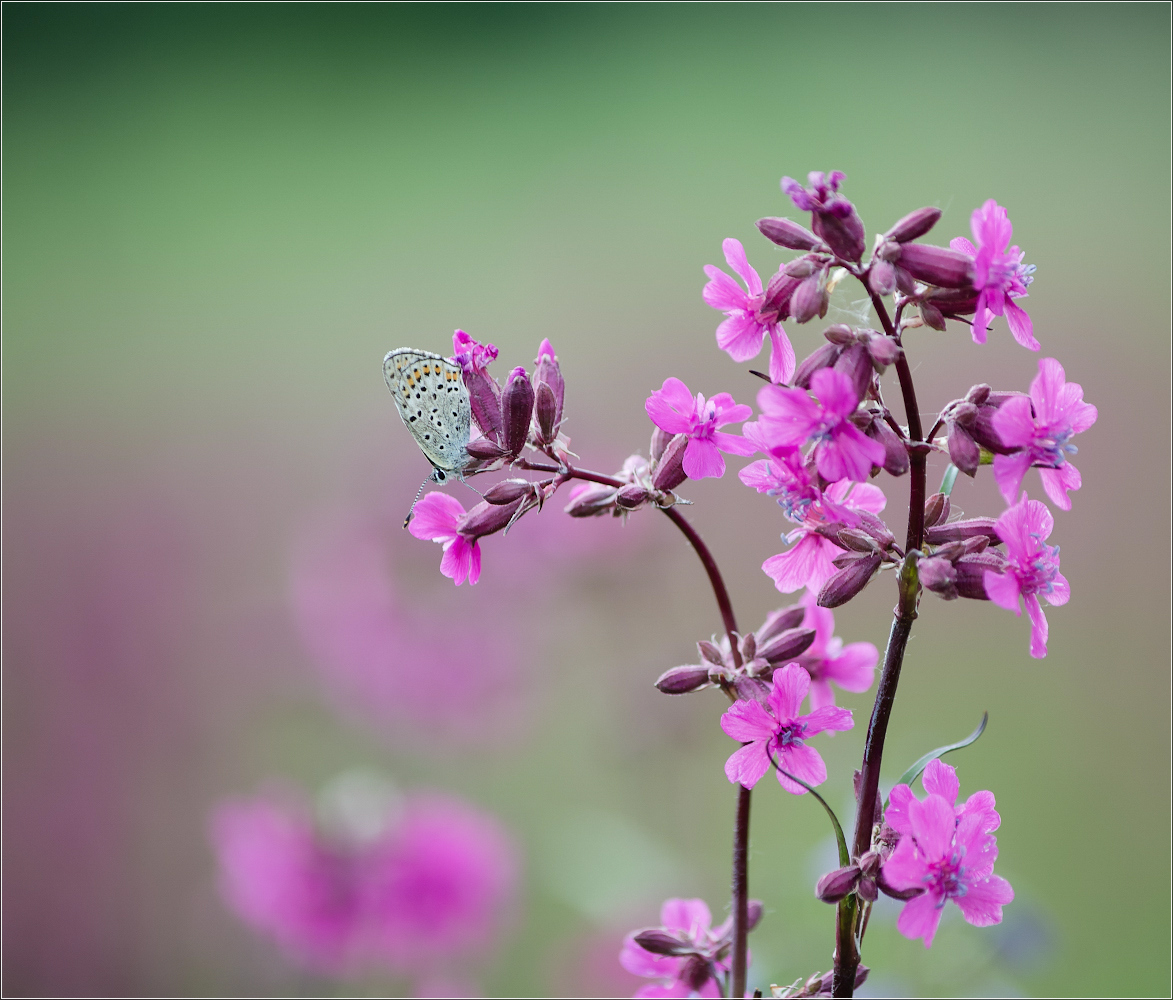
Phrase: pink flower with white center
{"type": "Point", "coordinates": [941, 779]}
{"type": "Point", "coordinates": [673, 409]}
{"type": "Point", "coordinates": [685, 953]}
{"type": "Point", "coordinates": [748, 321]}
{"type": "Point", "coordinates": [828, 660]}
{"type": "Point", "coordinates": [808, 561]}
{"type": "Point", "coordinates": [1042, 425]}
{"type": "Point", "coordinates": [471, 355]}
{"type": "Point", "coordinates": [791, 417]}
{"type": "Point", "coordinates": [950, 859]}
{"type": "Point", "coordinates": [784, 476]}
{"type": "Point", "coordinates": [999, 274]}
{"type": "Point", "coordinates": [1032, 568]}
{"type": "Point", "coordinates": [437, 517]}
{"type": "Point", "coordinates": [776, 730]}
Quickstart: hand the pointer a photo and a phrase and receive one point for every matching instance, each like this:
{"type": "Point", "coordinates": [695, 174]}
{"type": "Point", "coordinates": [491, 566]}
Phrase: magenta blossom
{"type": "Point", "coordinates": [1042, 425]}
{"type": "Point", "coordinates": [784, 475]}
{"type": "Point", "coordinates": [808, 561]}
{"type": "Point", "coordinates": [999, 275]}
{"type": "Point", "coordinates": [747, 320]}
{"type": "Point", "coordinates": [1032, 568]}
{"type": "Point", "coordinates": [699, 952]}
{"type": "Point", "coordinates": [776, 730]}
{"type": "Point", "coordinates": [437, 517]}
{"type": "Point", "coordinates": [828, 660]}
{"type": "Point", "coordinates": [950, 858]}
{"type": "Point", "coordinates": [673, 409]}
{"type": "Point", "coordinates": [791, 417]}
{"type": "Point", "coordinates": [941, 779]}
{"type": "Point", "coordinates": [471, 355]}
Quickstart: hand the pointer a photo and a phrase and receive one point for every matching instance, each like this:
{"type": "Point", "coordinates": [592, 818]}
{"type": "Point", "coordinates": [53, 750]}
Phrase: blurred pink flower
{"type": "Point", "coordinates": [828, 660]}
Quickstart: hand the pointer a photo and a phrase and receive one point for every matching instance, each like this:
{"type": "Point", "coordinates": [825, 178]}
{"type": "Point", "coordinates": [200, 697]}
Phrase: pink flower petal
{"type": "Point", "coordinates": [746, 721]}
{"type": "Point", "coordinates": [828, 718]}
{"type": "Point", "coordinates": [896, 815]}
{"type": "Point", "coordinates": [919, 919]}
{"type": "Point", "coordinates": [782, 359]}
{"type": "Point", "coordinates": [722, 292]}
{"type": "Point", "coordinates": [734, 444]}
{"type": "Point", "coordinates": [804, 763]}
{"type": "Point", "coordinates": [983, 901]}
{"type": "Point", "coordinates": [435, 517]}
{"type": "Point", "coordinates": [822, 695]}
{"type": "Point", "coordinates": [962, 245]}
{"type": "Point", "coordinates": [982, 803]}
{"type": "Point", "coordinates": [1056, 483]}
{"type": "Point", "coordinates": [1003, 590]}
{"type": "Point", "coordinates": [702, 460]}
{"type": "Point", "coordinates": [1061, 591]}
{"type": "Point", "coordinates": [1009, 471]}
{"type": "Point", "coordinates": [835, 391]}
{"type": "Point", "coordinates": [791, 683]}
{"type": "Point", "coordinates": [643, 963]}
{"type": "Point", "coordinates": [855, 668]}
{"type": "Point", "coordinates": [741, 336]}
{"type": "Point", "coordinates": [941, 779]}
{"type": "Point", "coordinates": [692, 916]}
{"type": "Point", "coordinates": [735, 257]}
{"type": "Point", "coordinates": [933, 825]}
{"type": "Point", "coordinates": [1014, 422]}
{"type": "Point", "coordinates": [1021, 326]}
{"type": "Point", "coordinates": [671, 407]}
{"type": "Point", "coordinates": [1046, 389]}
{"type": "Point", "coordinates": [1038, 626]}
{"type": "Point", "coordinates": [747, 765]}
{"type": "Point", "coordinates": [806, 564]}
{"type": "Point", "coordinates": [981, 320]}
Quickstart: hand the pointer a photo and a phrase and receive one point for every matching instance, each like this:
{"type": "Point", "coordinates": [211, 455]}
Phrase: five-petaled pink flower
{"type": "Point", "coordinates": [437, 517]}
{"type": "Point", "coordinates": [940, 778]}
{"type": "Point", "coordinates": [701, 951]}
{"type": "Point", "coordinates": [999, 274]}
{"type": "Point", "coordinates": [828, 660]}
{"type": "Point", "coordinates": [1042, 425]}
{"type": "Point", "coordinates": [673, 409]}
{"type": "Point", "coordinates": [776, 731]}
{"type": "Point", "coordinates": [791, 417]}
{"type": "Point", "coordinates": [1032, 568]}
{"type": "Point", "coordinates": [747, 321]}
{"type": "Point", "coordinates": [949, 853]}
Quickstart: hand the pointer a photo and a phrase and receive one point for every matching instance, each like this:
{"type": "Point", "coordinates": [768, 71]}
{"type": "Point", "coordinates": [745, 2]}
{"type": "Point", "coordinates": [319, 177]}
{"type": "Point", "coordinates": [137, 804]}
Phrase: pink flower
{"type": "Point", "coordinates": [808, 561]}
{"type": "Point", "coordinates": [685, 953]}
{"type": "Point", "coordinates": [948, 852]}
{"type": "Point", "coordinates": [673, 409]}
{"type": "Point", "coordinates": [940, 779]}
{"type": "Point", "coordinates": [851, 667]}
{"type": "Point", "coordinates": [999, 275]}
{"type": "Point", "coordinates": [791, 417]}
{"type": "Point", "coordinates": [437, 517]}
{"type": "Point", "coordinates": [1042, 425]}
{"type": "Point", "coordinates": [776, 730]}
{"type": "Point", "coordinates": [471, 355]}
{"type": "Point", "coordinates": [747, 320]}
{"type": "Point", "coordinates": [1032, 568]}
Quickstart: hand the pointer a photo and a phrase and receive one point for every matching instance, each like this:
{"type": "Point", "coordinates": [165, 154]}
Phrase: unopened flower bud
{"type": "Point", "coordinates": [931, 316]}
{"type": "Point", "coordinates": [823, 357]}
{"type": "Point", "coordinates": [682, 680]}
{"type": "Point", "coordinates": [938, 266]}
{"type": "Point", "coordinates": [592, 501]}
{"type": "Point", "coordinates": [833, 886]}
{"type": "Point", "coordinates": [810, 298]}
{"type": "Point", "coordinates": [936, 509]}
{"type": "Point", "coordinates": [963, 450]}
{"type": "Point", "coordinates": [882, 277]}
{"type": "Point", "coordinates": [670, 469]}
{"type": "Point", "coordinates": [964, 413]}
{"type": "Point", "coordinates": [752, 689]}
{"type": "Point", "coordinates": [971, 546]}
{"type": "Point", "coordinates": [884, 350]}
{"type": "Point", "coordinates": [779, 291]}
{"type": "Point", "coordinates": [959, 531]}
{"type": "Point", "coordinates": [780, 621]}
{"type": "Point", "coordinates": [789, 234]}
{"type": "Point", "coordinates": [695, 972]}
{"type": "Point", "coordinates": [937, 574]}
{"type": "Point", "coordinates": [711, 652]}
{"type": "Point", "coordinates": [839, 333]}
{"type": "Point", "coordinates": [971, 573]}
{"type": "Point", "coordinates": [914, 225]}
{"type": "Point", "coordinates": [896, 460]}
{"type": "Point", "coordinates": [660, 942]}
{"type": "Point", "coordinates": [748, 647]}
{"type": "Point", "coordinates": [978, 394]}
{"type": "Point", "coordinates": [632, 496]}
{"type": "Point", "coordinates": [785, 646]}
{"type": "Point", "coordinates": [487, 518]}
{"type": "Point", "coordinates": [753, 914]}
{"type": "Point", "coordinates": [866, 889]}
{"type": "Point", "coordinates": [549, 390]}
{"type": "Point", "coordinates": [841, 229]}
{"type": "Point", "coordinates": [484, 399]}
{"type": "Point", "coordinates": [887, 250]}
{"type": "Point", "coordinates": [869, 862]}
{"type": "Point", "coordinates": [856, 364]}
{"type": "Point", "coordinates": [485, 449]}
{"type": "Point", "coordinates": [876, 528]}
{"type": "Point", "coordinates": [855, 540]}
{"type": "Point", "coordinates": [517, 406]}
{"type": "Point", "coordinates": [508, 490]}
{"type": "Point", "coordinates": [803, 267]}
{"type": "Point", "coordinates": [850, 580]}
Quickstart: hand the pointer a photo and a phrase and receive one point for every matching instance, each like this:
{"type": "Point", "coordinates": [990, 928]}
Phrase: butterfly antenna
{"type": "Point", "coordinates": [418, 494]}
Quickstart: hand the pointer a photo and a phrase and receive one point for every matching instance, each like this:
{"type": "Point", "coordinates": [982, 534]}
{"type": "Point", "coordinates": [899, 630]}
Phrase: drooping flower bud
{"type": "Point", "coordinates": [549, 390]}
{"type": "Point", "coordinates": [937, 574]}
{"type": "Point", "coordinates": [670, 469]}
{"type": "Point", "coordinates": [938, 266]}
{"type": "Point", "coordinates": [591, 500]}
{"type": "Point", "coordinates": [963, 450]}
{"type": "Point", "coordinates": [779, 291]}
{"type": "Point", "coordinates": [936, 509]}
{"type": "Point", "coordinates": [823, 357]}
{"type": "Point", "coordinates": [914, 225]}
{"type": "Point", "coordinates": [841, 229]}
{"type": "Point", "coordinates": [810, 298]}
{"type": "Point", "coordinates": [931, 316]}
{"type": "Point", "coordinates": [711, 652]}
{"type": "Point", "coordinates": [856, 364]}
{"type": "Point", "coordinates": [959, 531]}
{"type": "Point", "coordinates": [780, 621]}
{"type": "Point", "coordinates": [855, 572]}
{"type": "Point", "coordinates": [632, 496]}
{"type": "Point", "coordinates": [971, 572]}
{"type": "Point", "coordinates": [803, 267]}
{"type": "Point", "coordinates": [839, 333]}
{"type": "Point", "coordinates": [486, 518]}
{"type": "Point", "coordinates": [785, 646]}
{"type": "Point", "coordinates": [660, 439]}
{"type": "Point", "coordinates": [855, 540]}
{"type": "Point", "coordinates": [789, 234]}
{"type": "Point", "coordinates": [517, 405]}
{"type": "Point", "coordinates": [508, 490]}
{"type": "Point", "coordinates": [682, 680]}
{"type": "Point", "coordinates": [661, 942]}
{"type": "Point", "coordinates": [883, 350]}
{"type": "Point", "coordinates": [485, 449]}
{"type": "Point", "coordinates": [882, 277]}
{"type": "Point", "coordinates": [835, 885]}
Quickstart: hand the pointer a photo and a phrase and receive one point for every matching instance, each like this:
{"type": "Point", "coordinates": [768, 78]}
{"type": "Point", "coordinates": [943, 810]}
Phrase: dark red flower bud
{"type": "Point", "coordinates": [895, 454]}
{"type": "Point", "coordinates": [670, 469]}
{"type": "Point", "coordinates": [938, 266]}
{"type": "Point", "coordinates": [486, 518]}
{"type": "Point", "coordinates": [937, 574]}
{"type": "Point", "coordinates": [695, 973]}
{"type": "Point", "coordinates": [682, 680]}
{"type": "Point", "coordinates": [876, 528]}
{"type": "Point", "coordinates": [959, 531]}
{"type": "Point", "coordinates": [856, 364]}
{"type": "Point", "coordinates": [631, 496]}
{"type": "Point", "coordinates": [839, 333]}
{"type": "Point", "coordinates": [855, 540]}
{"type": "Point", "coordinates": [485, 449]}
{"type": "Point", "coordinates": [748, 646]}
{"type": "Point", "coordinates": [786, 646]}
{"type": "Point", "coordinates": [887, 251]}
{"type": "Point", "coordinates": [789, 234]}
{"type": "Point", "coordinates": [517, 406]}
{"type": "Point", "coordinates": [660, 942]}
{"type": "Point", "coordinates": [823, 357]}
{"type": "Point", "coordinates": [978, 394]}
{"type": "Point", "coordinates": [914, 225]}
{"type": "Point", "coordinates": [963, 450]}
{"type": "Point", "coordinates": [780, 621]}
{"type": "Point", "coordinates": [779, 291]}
{"type": "Point", "coordinates": [803, 267]}
{"type": "Point", "coordinates": [971, 573]}
{"type": "Point", "coordinates": [508, 490]}
{"type": "Point", "coordinates": [596, 499]}
{"type": "Point", "coordinates": [931, 316]}
{"type": "Point", "coordinates": [882, 277]}
{"type": "Point", "coordinates": [841, 229]}
{"type": "Point", "coordinates": [484, 399]}
{"type": "Point", "coordinates": [883, 350]}
{"type": "Point", "coordinates": [710, 651]}
{"type": "Point", "coordinates": [833, 886]}
{"type": "Point", "coordinates": [866, 889]}
{"type": "Point", "coordinates": [850, 580]}
{"type": "Point", "coordinates": [810, 298]}
{"type": "Point", "coordinates": [549, 390]}
{"type": "Point", "coordinates": [936, 509]}
{"type": "Point", "coordinates": [660, 439]}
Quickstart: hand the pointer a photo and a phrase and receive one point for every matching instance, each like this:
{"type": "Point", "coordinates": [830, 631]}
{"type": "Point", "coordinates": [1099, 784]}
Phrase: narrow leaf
{"type": "Point", "coordinates": [844, 856]}
{"type": "Point", "coordinates": [909, 776]}
{"type": "Point", "coordinates": [948, 480]}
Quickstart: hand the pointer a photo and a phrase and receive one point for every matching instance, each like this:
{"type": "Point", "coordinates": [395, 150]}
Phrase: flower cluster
{"type": "Point", "coordinates": [424, 884]}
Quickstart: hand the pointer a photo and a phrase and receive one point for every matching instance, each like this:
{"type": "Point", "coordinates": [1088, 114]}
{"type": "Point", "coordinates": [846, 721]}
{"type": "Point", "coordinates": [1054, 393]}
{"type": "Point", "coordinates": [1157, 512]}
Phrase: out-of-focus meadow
{"type": "Point", "coordinates": [217, 219]}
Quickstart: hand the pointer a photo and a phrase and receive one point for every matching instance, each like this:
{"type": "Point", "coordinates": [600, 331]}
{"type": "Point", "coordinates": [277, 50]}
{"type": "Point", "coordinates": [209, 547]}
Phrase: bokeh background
{"type": "Point", "coordinates": [218, 219]}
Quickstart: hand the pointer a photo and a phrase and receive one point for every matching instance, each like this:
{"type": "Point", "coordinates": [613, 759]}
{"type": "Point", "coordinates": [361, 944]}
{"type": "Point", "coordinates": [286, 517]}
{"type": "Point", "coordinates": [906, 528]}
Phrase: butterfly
{"type": "Point", "coordinates": [432, 401]}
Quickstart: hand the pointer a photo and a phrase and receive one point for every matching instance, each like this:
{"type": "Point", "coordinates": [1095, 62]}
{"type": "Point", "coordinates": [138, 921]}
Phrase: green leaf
{"type": "Point", "coordinates": [844, 856]}
{"type": "Point", "coordinates": [909, 776]}
{"type": "Point", "coordinates": [948, 480]}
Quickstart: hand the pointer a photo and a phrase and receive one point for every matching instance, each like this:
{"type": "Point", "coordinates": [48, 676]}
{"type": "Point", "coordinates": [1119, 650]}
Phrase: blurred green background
{"type": "Point", "coordinates": [218, 219]}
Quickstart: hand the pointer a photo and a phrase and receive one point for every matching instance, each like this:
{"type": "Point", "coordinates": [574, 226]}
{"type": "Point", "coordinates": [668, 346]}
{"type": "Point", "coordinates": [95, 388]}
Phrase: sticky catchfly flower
{"type": "Point", "coordinates": [1042, 425]}
{"type": "Point", "coordinates": [776, 731]}
{"type": "Point", "coordinates": [749, 318]}
{"type": "Point", "coordinates": [1032, 568]}
{"type": "Point", "coordinates": [672, 408]}
{"type": "Point", "coordinates": [437, 517]}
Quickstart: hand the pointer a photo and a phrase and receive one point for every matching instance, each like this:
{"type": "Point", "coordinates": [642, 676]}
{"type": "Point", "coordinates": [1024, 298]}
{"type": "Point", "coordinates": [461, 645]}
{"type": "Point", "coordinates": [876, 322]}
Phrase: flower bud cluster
{"type": "Point", "coordinates": [818, 985]}
{"type": "Point", "coordinates": [969, 427]}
